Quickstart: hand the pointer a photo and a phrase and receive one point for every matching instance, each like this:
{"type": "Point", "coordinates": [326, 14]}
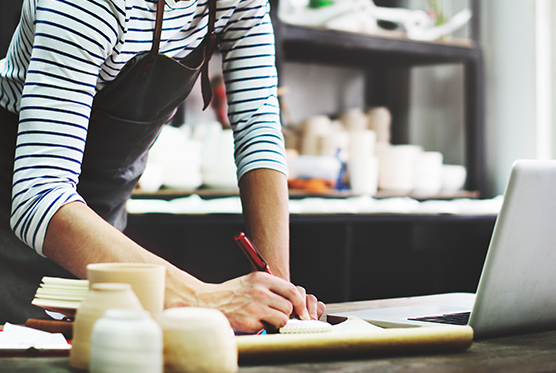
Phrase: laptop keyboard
{"type": "Point", "coordinates": [461, 318]}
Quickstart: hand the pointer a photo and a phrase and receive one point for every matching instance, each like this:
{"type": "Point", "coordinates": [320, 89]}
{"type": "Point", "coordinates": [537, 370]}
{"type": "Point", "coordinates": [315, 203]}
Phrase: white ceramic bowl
{"type": "Point", "coordinates": [198, 340]}
{"type": "Point", "coordinates": [453, 177]}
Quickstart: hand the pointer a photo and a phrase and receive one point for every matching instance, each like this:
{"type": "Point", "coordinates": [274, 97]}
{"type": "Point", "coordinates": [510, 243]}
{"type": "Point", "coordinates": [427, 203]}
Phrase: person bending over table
{"type": "Point", "coordinates": [72, 148]}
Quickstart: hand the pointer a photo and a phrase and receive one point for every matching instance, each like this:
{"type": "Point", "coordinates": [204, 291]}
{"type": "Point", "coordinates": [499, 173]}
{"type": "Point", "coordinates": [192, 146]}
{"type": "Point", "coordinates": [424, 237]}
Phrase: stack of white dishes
{"type": "Point", "coordinates": [61, 295]}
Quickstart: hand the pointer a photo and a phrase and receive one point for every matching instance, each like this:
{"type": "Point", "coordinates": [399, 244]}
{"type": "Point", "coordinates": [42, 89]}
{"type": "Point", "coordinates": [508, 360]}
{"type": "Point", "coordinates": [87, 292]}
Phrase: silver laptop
{"type": "Point", "coordinates": [517, 289]}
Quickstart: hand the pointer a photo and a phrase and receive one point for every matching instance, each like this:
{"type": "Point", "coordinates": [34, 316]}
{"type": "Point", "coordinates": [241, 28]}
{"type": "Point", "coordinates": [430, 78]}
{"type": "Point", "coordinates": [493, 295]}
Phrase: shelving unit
{"type": "Point", "coordinates": [386, 62]}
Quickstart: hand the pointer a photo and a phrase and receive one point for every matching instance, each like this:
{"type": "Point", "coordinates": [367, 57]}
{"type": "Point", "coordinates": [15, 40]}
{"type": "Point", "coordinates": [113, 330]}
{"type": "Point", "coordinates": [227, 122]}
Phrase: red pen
{"type": "Point", "coordinates": [251, 253]}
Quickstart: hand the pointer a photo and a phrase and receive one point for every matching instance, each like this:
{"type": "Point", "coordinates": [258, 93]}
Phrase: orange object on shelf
{"type": "Point", "coordinates": [312, 185]}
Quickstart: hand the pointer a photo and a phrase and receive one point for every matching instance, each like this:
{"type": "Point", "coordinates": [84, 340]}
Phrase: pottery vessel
{"type": "Point", "coordinates": [428, 173]}
{"type": "Point", "coordinates": [380, 121]}
{"type": "Point", "coordinates": [100, 298]}
{"type": "Point", "coordinates": [396, 167]}
{"type": "Point", "coordinates": [198, 340]}
{"type": "Point", "coordinates": [363, 175]}
{"type": "Point", "coordinates": [147, 281]}
{"type": "Point", "coordinates": [453, 177]}
{"type": "Point", "coordinates": [125, 341]}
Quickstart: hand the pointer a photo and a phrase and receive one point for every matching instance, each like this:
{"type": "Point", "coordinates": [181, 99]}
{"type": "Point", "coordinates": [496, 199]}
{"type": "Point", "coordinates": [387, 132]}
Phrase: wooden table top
{"type": "Point", "coordinates": [534, 352]}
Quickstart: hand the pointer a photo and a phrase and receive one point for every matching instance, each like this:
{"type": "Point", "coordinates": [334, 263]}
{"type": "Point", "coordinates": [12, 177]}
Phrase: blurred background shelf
{"type": "Point", "coordinates": [386, 63]}
{"type": "Point", "coordinates": [337, 47]}
{"type": "Point", "coordinates": [168, 194]}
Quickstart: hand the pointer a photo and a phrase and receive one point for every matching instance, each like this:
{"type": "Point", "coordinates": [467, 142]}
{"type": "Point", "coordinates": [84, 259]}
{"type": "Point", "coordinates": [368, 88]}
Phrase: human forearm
{"type": "Point", "coordinates": [76, 236]}
{"type": "Point", "coordinates": [264, 196]}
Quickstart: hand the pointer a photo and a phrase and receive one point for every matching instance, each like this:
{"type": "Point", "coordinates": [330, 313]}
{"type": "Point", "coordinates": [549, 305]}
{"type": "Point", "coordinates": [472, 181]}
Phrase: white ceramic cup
{"type": "Point", "coordinates": [198, 340]}
{"type": "Point", "coordinates": [363, 175]}
{"type": "Point", "coordinates": [428, 173]}
{"type": "Point", "coordinates": [126, 341]}
{"type": "Point", "coordinates": [362, 143]}
{"type": "Point", "coordinates": [397, 167]}
{"type": "Point", "coordinates": [219, 168]}
{"type": "Point", "coordinates": [453, 177]}
{"type": "Point", "coordinates": [147, 281]}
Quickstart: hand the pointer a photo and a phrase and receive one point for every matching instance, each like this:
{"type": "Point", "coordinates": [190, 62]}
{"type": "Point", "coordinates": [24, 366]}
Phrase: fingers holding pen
{"type": "Point", "coordinates": [289, 298]}
{"type": "Point", "coordinates": [314, 308]}
{"type": "Point", "coordinates": [258, 300]}
{"type": "Point", "coordinates": [297, 296]}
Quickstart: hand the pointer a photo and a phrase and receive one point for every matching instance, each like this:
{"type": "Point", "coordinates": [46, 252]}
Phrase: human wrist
{"type": "Point", "coordinates": [182, 289]}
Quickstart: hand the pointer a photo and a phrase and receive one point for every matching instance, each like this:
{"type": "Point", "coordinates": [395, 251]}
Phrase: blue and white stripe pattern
{"type": "Point", "coordinates": [64, 51]}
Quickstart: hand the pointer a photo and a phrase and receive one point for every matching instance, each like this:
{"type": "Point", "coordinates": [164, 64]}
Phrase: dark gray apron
{"type": "Point", "coordinates": [126, 118]}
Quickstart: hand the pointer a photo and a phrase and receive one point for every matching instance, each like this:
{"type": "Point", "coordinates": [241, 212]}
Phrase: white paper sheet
{"type": "Point", "coordinates": [15, 337]}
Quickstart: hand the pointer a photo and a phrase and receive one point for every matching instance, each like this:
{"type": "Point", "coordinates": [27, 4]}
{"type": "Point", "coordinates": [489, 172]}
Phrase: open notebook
{"type": "Point", "coordinates": [517, 289]}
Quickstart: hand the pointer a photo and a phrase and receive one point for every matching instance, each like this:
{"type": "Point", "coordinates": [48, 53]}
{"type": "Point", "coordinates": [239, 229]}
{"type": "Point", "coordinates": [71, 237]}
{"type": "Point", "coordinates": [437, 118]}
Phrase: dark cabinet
{"type": "Point", "coordinates": [337, 257]}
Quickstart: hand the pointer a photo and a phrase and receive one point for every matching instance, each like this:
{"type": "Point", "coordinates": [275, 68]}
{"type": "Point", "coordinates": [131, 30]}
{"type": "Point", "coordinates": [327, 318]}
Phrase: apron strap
{"type": "Point", "coordinates": [158, 27]}
{"type": "Point", "coordinates": [209, 49]}
{"type": "Point", "coordinates": [209, 45]}
{"type": "Point", "coordinates": [156, 41]}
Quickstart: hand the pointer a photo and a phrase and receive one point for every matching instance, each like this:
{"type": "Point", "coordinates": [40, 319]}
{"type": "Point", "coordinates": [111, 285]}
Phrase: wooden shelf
{"type": "Point", "coordinates": [168, 194]}
{"type": "Point", "coordinates": [343, 48]}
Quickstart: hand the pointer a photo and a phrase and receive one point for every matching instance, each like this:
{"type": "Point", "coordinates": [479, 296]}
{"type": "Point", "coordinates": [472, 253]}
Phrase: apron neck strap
{"type": "Point", "coordinates": [158, 27]}
{"type": "Point", "coordinates": [206, 87]}
{"type": "Point", "coordinates": [151, 58]}
{"type": "Point", "coordinates": [209, 44]}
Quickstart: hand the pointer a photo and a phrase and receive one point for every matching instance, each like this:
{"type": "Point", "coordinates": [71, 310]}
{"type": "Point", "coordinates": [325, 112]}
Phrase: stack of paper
{"type": "Point", "coordinates": [61, 295]}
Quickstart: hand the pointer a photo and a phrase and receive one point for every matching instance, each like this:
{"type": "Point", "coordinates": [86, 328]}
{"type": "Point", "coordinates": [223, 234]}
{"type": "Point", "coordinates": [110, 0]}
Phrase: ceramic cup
{"type": "Point", "coordinates": [100, 298]}
{"type": "Point", "coordinates": [428, 173]}
{"type": "Point", "coordinates": [363, 175]}
{"type": "Point", "coordinates": [362, 143]}
{"type": "Point", "coordinates": [126, 341]}
{"type": "Point", "coordinates": [453, 177]}
{"type": "Point", "coordinates": [397, 167]}
{"type": "Point", "coordinates": [147, 281]}
{"type": "Point", "coordinates": [198, 340]}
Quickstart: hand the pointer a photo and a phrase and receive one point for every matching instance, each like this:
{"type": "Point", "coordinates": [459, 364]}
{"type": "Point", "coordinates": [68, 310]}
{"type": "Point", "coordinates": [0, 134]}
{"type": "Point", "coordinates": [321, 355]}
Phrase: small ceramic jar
{"type": "Point", "coordinates": [126, 341]}
{"type": "Point", "coordinates": [101, 297]}
{"type": "Point", "coordinates": [198, 340]}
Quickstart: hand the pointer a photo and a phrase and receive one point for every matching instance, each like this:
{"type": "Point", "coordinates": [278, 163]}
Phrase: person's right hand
{"type": "Point", "coordinates": [255, 301]}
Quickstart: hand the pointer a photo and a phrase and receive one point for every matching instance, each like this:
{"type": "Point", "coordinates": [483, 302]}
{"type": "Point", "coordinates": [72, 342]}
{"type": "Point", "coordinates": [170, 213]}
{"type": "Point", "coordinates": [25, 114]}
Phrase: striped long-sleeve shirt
{"type": "Point", "coordinates": [64, 51]}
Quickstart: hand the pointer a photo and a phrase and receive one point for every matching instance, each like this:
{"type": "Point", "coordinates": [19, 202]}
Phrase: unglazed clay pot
{"type": "Point", "coordinates": [198, 340]}
{"type": "Point", "coordinates": [380, 121]}
{"type": "Point", "coordinates": [148, 281]}
{"type": "Point", "coordinates": [100, 298]}
{"type": "Point", "coordinates": [126, 341]}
